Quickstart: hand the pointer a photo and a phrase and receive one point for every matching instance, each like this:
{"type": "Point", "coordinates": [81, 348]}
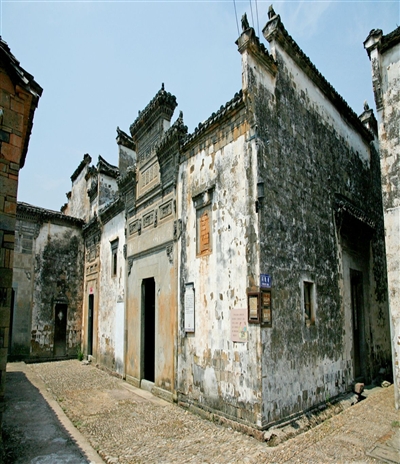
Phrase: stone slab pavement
{"type": "Point", "coordinates": [114, 422]}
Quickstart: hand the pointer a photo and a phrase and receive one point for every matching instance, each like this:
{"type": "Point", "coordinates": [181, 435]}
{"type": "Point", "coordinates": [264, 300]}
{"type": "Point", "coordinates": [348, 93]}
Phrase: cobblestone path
{"type": "Point", "coordinates": [127, 425]}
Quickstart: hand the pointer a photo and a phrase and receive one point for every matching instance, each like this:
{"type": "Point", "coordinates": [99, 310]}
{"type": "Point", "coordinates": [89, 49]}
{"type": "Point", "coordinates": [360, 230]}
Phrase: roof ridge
{"type": "Point", "coordinates": [202, 126]}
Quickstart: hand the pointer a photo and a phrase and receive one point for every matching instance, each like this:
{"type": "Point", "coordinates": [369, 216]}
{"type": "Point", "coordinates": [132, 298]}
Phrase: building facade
{"type": "Point", "coordinates": [384, 53]}
{"type": "Point", "coordinates": [241, 268]}
{"type": "Point", "coordinates": [280, 198]}
{"type": "Point", "coordinates": [46, 320]}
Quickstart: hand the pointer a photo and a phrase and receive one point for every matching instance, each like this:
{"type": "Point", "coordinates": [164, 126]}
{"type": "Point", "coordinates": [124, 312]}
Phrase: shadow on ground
{"type": "Point", "coordinates": [31, 430]}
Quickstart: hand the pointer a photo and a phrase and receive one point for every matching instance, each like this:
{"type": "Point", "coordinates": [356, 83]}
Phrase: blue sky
{"type": "Point", "coordinates": [100, 62]}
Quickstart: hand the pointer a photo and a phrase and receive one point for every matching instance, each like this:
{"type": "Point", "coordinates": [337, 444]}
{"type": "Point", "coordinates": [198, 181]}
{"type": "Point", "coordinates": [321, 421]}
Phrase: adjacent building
{"type": "Point", "coordinates": [19, 98]}
{"type": "Point", "coordinates": [384, 53]}
{"type": "Point", "coordinates": [46, 321]}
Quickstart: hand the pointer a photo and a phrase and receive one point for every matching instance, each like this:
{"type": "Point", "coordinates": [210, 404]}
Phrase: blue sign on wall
{"type": "Point", "coordinates": [265, 281]}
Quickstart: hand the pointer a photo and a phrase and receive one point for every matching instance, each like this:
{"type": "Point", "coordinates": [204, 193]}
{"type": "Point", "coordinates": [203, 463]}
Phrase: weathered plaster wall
{"type": "Point", "coordinates": [389, 135]}
{"type": "Point", "coordinates": [307, 154]}
{"type": "Point", "coordinates": [92, 265]}
{"type": "Point", "coordinates": [151, 254]}
{"type": "Point", "coordinates": [151, 232]}
{"type": "Point", "coordinates": [78, 200]}
{"type": "Point", "coordinates": [214, 371]}
{"type": "Point", "coordinates": [23, 282]}
{"type": "Point", "coordinates": [107, 190]}
{"type": "Point", "coordinates": [126, 158]}
{"type": "Point", "coordinates": [111, 296]}
{"type": "Point", "coordinates": [384, 52]}
{"type": "Point", "coordinates": [58, 273]}
{"type": "Point", "coordinates": [153, 264]}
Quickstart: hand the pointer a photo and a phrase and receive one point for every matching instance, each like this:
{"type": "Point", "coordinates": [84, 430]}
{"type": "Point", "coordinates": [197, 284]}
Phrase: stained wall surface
{"type": "Point", "coordinates": [152, 233]}
{"type": "Point", "coordinates": [289, 179]}
{"type": "Point", "coordinates": [48, 284]}
{"type": "Point", "coordinates": [111, 295]}
{"type": "Point", "coordinates": [321, 173]}
{"type": "Point", "coordinates": [240, 268]}
{"type": "Point", "coordinates": [219, 175]}
{"type": "Point", "coordinates": [384, 53]}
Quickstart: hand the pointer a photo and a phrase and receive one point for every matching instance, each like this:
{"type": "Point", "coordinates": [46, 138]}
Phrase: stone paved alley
{"type": "Point", "coordinates": [127, 425]}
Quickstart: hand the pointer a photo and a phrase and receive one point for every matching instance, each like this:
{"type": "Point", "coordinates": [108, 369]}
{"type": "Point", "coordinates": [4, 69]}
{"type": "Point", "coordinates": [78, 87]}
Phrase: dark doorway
{"type": "Point", "coordinates": [357, 308]}
{"type": "Point", "coordinates": [60, 329]}
{"type": "Point", "coordinates": [90, 325]}
{"type": "Point", "coordinates": [148, 311]}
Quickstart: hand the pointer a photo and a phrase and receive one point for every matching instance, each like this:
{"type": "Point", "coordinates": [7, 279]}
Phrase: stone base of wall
{"type": "Point", "coordinates": [133, 381]}
{"type": "Point", "coordinates": [41, 359]}
{"type": "Point", "coordinates": [276, 433]}
{"type": "Point", "coordinates": [163, 394]}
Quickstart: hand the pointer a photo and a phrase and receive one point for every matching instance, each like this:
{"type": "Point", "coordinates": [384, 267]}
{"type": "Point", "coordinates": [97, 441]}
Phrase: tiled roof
{"type": "Point", "coordinates": [25, 209]}
{"type": "Point", "coordinates": [390, 40]}
{"type": "Point", "coordinates": [178, 129]}
{"type": "Point", "coordinates": [234, 103]}
{"type": "Point", "coordinates": [107, 168]}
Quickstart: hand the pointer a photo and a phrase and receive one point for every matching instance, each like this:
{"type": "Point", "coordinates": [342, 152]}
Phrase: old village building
{"type": "Point", "coordinates": [239, 269]}
{"type": "Point", "coordinates": [47, 284]}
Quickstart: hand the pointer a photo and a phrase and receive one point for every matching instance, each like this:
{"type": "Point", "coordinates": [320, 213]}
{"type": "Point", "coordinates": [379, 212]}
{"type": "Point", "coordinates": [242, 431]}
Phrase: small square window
{"type": "Point", "coordinates": [309, 303]}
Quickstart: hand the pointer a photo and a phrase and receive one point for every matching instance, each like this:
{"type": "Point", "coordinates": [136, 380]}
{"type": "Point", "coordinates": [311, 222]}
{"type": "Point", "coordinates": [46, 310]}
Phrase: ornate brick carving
{"type": "Point", "coordinates": [130, 264]}
{"type": "Point", "coordinates": [135, 226]}
{"type": "Point", "coordinates": [169, 249]}
{"type": "Point", "coordinates": [148, 219]}
{"type": "Point", "coordinates": [177, 229]}
{"type": "Point", "coordinates": [166, 209]}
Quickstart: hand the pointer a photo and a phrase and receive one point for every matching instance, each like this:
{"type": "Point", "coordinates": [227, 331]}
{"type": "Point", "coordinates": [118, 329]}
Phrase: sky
{"type": "Point", "coordinates": [100, 62]}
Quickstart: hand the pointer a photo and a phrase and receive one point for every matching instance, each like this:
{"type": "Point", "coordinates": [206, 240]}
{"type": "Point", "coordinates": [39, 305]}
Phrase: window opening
{"type": "Point", "coordinates": [308, 298]}
{"type": "Point", "coordinates": [114, 257]}
{"type": "Point", "coordinates": [202, 203]}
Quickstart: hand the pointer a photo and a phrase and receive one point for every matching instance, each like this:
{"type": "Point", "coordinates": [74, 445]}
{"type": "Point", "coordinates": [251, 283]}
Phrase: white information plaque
{"type": "Point", "coordinates": [239, 325]}
{"type": "Point", "coordinates": [189, 308]}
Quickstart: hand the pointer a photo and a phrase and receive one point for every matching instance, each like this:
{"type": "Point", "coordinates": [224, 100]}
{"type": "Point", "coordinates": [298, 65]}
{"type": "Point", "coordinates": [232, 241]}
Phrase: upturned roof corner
{"type": "Point", "coordinates": [248, 41]}
{"type": "Point", "coordinates": [87, 159]}
{"type": "Point", "coordinates": [125, 140]}
{"type": "Point", "coordinates": [106, 168]}
{"type": "Point", "coordinates": [376, 40]}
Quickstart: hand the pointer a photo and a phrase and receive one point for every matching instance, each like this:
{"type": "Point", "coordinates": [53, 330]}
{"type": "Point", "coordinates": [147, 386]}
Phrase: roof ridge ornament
{"type": "Point", "coordinates": [245, 23]}
{"type": "Point", "coordinates": [271, 12]}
